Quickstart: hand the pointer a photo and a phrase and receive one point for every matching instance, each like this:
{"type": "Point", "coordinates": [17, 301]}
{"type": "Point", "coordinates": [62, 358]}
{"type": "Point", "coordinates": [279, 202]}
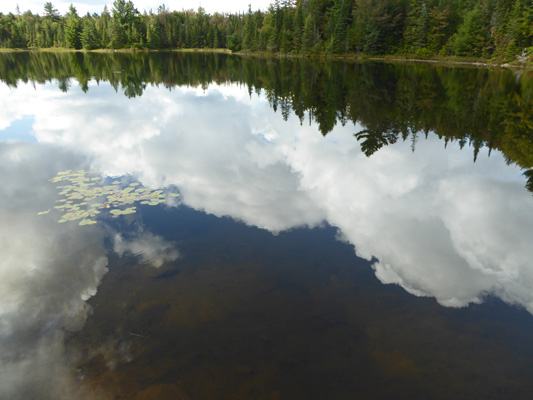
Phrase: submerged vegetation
{"type": "Point", "coordinates": [84, 198]}
{"type": "Point", "coordinates": [491, 29]}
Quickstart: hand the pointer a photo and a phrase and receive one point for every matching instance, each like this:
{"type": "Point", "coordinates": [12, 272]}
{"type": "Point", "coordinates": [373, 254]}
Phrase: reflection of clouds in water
{"type": "Point", "coordinates": [122, 135]}
{"type": "Point", "coordinates": [39, 371]}
{"type": "Point", "coordinates": [48, 272]}
{"type": "Point", "coordinates": [435, 230]}
{"type": "Point", "coordinates": [494, 244]}
{"type": "Point", "coordinates": [114, 351]}
{"type": "Point", "coordinates": [151, 249]}
{"type": "Point", "coordinates": [11, 101]}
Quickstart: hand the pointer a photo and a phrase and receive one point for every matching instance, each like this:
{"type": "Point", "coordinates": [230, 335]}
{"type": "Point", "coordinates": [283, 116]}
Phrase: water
{"type": "Point", "coordinates": [342, 231]}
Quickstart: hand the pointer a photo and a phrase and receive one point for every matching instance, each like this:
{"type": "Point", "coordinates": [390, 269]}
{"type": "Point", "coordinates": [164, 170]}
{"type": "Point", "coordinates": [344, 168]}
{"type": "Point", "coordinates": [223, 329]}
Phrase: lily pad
{"type": "Point", "coordinates": [82, 197]}
{"type": "Point", "coordinates": [87, 222]}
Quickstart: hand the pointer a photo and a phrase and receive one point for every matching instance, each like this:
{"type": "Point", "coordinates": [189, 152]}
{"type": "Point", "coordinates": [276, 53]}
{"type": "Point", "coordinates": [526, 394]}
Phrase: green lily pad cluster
{"type": "Point", "coordinates": [85, 197]}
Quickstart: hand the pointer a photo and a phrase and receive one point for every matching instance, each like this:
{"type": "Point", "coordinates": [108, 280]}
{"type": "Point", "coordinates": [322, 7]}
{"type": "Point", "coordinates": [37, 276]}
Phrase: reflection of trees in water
{"type": "Point", "coordinates": [133, 87]}
{"type": "Point", "coordinates": [475, 106]}
{"type": "Point", "coordinates": [529, 175]}
{"type": "Point", "coordinates": [372, 141]}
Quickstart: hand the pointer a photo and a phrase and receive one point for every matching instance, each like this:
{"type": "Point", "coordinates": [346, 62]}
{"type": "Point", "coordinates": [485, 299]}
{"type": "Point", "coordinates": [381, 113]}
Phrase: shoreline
{"type": "Point", "coordinates": [517, 64]}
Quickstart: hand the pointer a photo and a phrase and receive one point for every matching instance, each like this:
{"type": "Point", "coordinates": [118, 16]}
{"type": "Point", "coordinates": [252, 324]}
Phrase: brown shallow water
{"type": "Point", "coordinates": [246, 314]}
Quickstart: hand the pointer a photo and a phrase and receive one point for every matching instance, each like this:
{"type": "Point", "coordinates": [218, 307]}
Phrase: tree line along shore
{"type": "Point", "coordinates": [498, 30]}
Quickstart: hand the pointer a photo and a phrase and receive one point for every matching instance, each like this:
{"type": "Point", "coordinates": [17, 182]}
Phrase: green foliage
{"type": "Point", "coordinates": [468, 28]}
{"type": "Point", "coordinates": [339, 20]}
{"type": "Point", "coordinates": [378, 26]}
{"type": "Point", "coordinates": [51, 13]}
{"type": "Point", "coordinates": [471, 37]}
{"type": "Point", "coordinates": [73, 29]}
{"type": "Point", "coordinates": [234, 43]}
{"type": "Point", "coordinates": [417, 26]}
{"type": "Point", "coordinates": [89, 35]}
{"type": "Point", "coordinates": [124, 12]}
{"type": "Point", "coordinates": [117, 35]}
{"type": "Point", "coordinates": [153, 36]}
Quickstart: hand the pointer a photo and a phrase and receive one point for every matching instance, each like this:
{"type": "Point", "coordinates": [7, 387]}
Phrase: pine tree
{"type": "Point", "coordinates": [287, 35]}
{"type": "Point", "coordinates": [51, 13]}
{"type": "Point", "coordinates": [417, 26]}
{"type": "Point", "coordinates": [338, 27]}
{"type": "Point", "coordinates": [117, 34]}
{"type": "Point", "coordinates": [470, 38]}
{"type": "Point", "coordinates": [103, 28]}
{"type": "Point", "coordinates": [89, 38]}
{"type": "Point", "coordinates": [73, 29]}
{"type": "Point", "coordinates": [521, 24]}
{"type": "Point", "coordinates": [439, 29]}
{"type": "Point", "coordinates": [250, 30]}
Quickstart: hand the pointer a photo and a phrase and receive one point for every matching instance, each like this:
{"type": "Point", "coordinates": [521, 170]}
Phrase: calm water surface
{"type": "Point", "coordinates": [343, 231]}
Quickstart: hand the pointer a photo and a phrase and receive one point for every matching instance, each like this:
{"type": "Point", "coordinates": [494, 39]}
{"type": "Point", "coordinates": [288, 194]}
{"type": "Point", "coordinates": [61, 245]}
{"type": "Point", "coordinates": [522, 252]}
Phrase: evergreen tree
{"type": "Point", "coordinates": [298, 28]}
{"type": "Point", "coordinates": [122, 31]}
{"type": "Point", "coordinates": [308, 35]}
{"type": "Point", "coordinates": [521, 25]}
{"type": "Point", "coordinates": [439, 29]}
{"type": "Point", "coordinates": [117, 34]}
{"type": "Point", "coordinates": [274, 41]}
{"type": "Point", "coordinates": [89, 38]}
{"type": "Point", "coordinates": [103, 28]}
{"type": "Point", "coordinates": [338, 26]}
{"type": "Point", "coordinates": [73, 29]}
{"type": "Point", "coordinates": [475, 28]}
{"type": "Point", "coordinates": [250, 30]}
{"type": "Point", "coordinates": [153, 32]}
{"type": "Point", "coordinates": [417, 26]}
{"type": "Point", "coordinates": [51, 12]}
{"type": "Point", "coordinates": [378, 26]}
{"type": "Point", "coordinates": [470, 38]}
{"type": "Point", "coordinates": [16, 39]}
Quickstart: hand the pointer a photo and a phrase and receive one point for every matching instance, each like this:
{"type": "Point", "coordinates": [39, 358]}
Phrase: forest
{"type": "Point", "coordinates": [488, 29]}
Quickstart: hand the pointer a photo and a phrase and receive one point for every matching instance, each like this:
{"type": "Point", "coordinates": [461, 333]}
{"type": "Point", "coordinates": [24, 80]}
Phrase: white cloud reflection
{"type": "Point", "coordinates": [47, 270]}
{"type": "Point", "coordinates": [151, 249]}
{"type": "Point", "coordinates": [440, 226]}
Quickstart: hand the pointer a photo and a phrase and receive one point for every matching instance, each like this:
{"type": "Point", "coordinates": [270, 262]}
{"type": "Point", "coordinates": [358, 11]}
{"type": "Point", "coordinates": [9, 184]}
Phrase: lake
{"type": "Point", "coordinates": [207, 226]}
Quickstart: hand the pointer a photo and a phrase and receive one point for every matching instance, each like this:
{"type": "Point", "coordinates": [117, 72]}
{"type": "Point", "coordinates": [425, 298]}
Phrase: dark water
{"type": "Point", "coordinates": [343, 231]}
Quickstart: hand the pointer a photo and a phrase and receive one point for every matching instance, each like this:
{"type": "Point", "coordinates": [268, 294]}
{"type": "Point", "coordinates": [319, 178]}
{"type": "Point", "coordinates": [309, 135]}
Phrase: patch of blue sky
{"type": "Point", "coordinates": [264, 138]}
{"type": "Point", "coordinates": [20, 130]}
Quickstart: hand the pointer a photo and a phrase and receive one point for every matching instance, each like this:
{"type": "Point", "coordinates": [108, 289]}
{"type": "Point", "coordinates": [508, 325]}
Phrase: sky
{"type": "Point", "coordinates": [96, 6]}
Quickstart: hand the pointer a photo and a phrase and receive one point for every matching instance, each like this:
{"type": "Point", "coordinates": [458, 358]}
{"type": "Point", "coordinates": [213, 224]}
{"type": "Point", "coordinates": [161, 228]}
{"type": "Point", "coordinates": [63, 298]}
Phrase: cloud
{"type": "Point", "coordinates": [115, 351]}
{"type": "Point", "coordinates": [439, 224]}
{"type": "Point", "coordinates": [11, 111]}
{"type": "Point", "coordinates": [48, 271]}
{"type": "Point", "coordinates": [164, 138]}
{"type": "Point", "coordinates": [149, 248]}
{"type": "Point", "coordinates": [97, 6]}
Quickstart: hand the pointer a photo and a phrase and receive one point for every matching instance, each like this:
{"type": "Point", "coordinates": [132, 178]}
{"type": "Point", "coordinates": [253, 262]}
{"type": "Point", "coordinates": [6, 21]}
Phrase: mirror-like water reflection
{"type": "Point", "coordinates": [423, 170]}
